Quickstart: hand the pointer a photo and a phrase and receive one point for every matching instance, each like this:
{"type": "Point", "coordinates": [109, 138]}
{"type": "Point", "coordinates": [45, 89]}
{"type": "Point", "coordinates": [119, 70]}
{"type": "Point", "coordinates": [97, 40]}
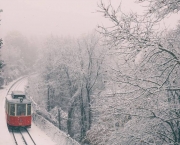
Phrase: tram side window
{"type": "Point", "coordinates": [21, 109]}
{"type": "Point", "coordinates": [6, 107]}
{"type": "Point", "coordinates": [12, 109]}
{"type": "Point", "coordinates": [28, 109]}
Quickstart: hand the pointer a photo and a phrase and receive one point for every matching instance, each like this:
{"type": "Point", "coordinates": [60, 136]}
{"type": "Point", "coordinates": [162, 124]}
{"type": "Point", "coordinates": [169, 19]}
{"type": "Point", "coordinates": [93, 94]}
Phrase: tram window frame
{"type": "Point", "coordinates": [21, 111]}
{"type": "Point", "coordinates": [12, 112]}
{"type": "Point", "coordinates": [28, 109]}
{"type": "Point", "coordinates": [6, 107]}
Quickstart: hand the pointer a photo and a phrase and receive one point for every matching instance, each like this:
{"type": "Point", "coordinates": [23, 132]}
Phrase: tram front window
{"type": "Point", "coordinates": [28, 109]}
{"type": "Point", "coordinates": [12, 109]}
{"type": "Point", "coordinates": [21, 109]}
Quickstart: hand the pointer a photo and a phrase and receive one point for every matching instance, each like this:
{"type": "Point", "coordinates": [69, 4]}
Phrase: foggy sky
{"type": "Point", "coordinates": [59, 17]}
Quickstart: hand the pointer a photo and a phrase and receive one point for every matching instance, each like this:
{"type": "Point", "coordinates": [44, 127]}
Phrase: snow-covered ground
{"type": "Point", "coordinates": [53, 132]}
{"type": "Point", "coordinates": [43, 132]}
{"type": "Point", "coordinates": [5, 138]}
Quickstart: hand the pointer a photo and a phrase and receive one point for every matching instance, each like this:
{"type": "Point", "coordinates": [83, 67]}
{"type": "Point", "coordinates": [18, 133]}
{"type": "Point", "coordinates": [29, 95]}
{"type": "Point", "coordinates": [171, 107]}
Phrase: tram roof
{"type": "Point", "coordinates": [21, 94]}
{"type": "Point", "coordinates": [18, 93]}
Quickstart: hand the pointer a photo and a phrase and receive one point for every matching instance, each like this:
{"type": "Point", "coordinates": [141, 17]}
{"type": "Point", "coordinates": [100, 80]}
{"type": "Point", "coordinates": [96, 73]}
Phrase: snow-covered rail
{"type": "Point", "coordinates": [22, 137]}
{"type": "Point", "coordinates": [14, 85]}
{"type": "Point", "coordinates": [30, 135]}
{"type": "Point", "coordinates": [14, 137]}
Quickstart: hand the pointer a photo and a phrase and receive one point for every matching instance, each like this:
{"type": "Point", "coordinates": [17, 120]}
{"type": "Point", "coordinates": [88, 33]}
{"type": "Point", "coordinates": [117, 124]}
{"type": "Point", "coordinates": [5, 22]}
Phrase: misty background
{"type": "Point", "coordinates": [58, 17]}
{"type": "Point", "coordinates": [104, 72]}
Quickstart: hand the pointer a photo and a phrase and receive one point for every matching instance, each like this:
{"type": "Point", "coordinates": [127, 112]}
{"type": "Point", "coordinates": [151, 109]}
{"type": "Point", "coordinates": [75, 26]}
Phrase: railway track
{"type": "Point", "coordinates": [22, 136]}
{"type": "Point", "coordinates": [16, 84]}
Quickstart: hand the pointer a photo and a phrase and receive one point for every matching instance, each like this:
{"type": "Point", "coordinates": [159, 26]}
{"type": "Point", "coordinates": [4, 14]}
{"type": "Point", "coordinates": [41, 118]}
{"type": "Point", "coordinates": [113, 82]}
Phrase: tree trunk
{"type": "Point", "coordinates": [48, 100]}
{"type": "Point", "coordinates": [70, 112]}
{"type": "Point", "coordinates": [69, 121]}
{"type": "Point", "coordinates": [59, 118]}
{"type": "Point", "coordinates": [89, 110]}
{"type": "Point", "coordinates": [83, 116]}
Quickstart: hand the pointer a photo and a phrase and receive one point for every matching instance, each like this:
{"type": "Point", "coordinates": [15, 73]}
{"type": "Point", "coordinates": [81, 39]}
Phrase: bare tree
{"type": "Point", "coordinates": [162, 8]}
{"type": "Point", "coordinates": [136, 37]}
{"type": "Point", "coordinates": [90, 63]}
{"type": "Point", "coordinates": [147, 62]}
{"type": "Point", "coordinates": [72, 69]}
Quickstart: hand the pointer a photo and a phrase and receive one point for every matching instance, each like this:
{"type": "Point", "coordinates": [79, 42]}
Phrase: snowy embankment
{"type": "Point", "coordinates": [53, 132]}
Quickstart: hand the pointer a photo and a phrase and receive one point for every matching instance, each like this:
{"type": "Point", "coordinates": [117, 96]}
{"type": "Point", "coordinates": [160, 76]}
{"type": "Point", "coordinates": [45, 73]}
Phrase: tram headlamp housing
{"type": "Point", "coordinates": [21, 99]}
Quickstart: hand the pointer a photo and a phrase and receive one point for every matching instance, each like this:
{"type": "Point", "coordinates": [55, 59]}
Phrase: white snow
{"type": "Point", "coordinates": [5, 138]}
{"type": "Point", "coordinates": [139, 57]}
{"type": "Point", "coordinates": [56, 135]}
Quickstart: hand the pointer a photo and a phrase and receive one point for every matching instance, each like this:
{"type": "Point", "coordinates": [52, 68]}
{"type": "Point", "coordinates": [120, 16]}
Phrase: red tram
{"type": "Point", "coordinates": [18, 110]}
